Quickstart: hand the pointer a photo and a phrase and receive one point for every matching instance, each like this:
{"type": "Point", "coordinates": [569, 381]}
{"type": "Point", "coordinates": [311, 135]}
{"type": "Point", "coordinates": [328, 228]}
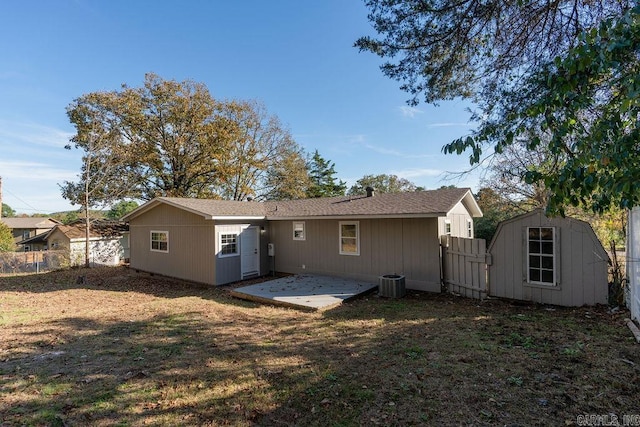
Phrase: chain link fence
{"type": "Point", "coordinates": [33, 262]}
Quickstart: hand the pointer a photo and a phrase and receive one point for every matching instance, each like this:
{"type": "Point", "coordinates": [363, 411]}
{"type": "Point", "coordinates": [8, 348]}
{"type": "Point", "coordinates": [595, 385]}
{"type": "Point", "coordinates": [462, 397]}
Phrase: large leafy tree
{"type": "Point", "coordinates": [504, 175]}
{"type": "Point", "coordinates": [121, 208]}
{"type": "Point", "coordinates": [583, 106]}
{"type": "Point", "coordinates": [259, 149]}
{"type": "Point", "coordinates": [172, 138]}
{"type": "Point", "coordinates": [323, 181]}
{"type": "Point", "coordinates": [382, 183]}
{"type": "Point", "coordinates": [442, 49]}
{"type": "Point", "coordinates": [7, 211]}
{"type": "Point", "coordinates": [289, 178]}
{"type": "Point", "coordinates": [561, 73]}
{"type": "Point", "coordinates": [165, 136]}
{"type": "Point", "coordinates": [495, 208]}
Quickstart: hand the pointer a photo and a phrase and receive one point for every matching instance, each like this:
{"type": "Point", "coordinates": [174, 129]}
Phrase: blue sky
{"type": "Point", "coordinates": [296, 57]}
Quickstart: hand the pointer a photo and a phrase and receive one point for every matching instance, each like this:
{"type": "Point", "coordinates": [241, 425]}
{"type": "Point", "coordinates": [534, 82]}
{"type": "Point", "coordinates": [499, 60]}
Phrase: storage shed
{"type": "Point", "coordinates": [556, 261]}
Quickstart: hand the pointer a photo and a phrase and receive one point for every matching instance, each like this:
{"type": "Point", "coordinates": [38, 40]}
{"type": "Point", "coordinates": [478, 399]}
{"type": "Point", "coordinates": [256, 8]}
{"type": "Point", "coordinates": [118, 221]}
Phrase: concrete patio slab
{"type": "Point", "coordinates": [305, 291]}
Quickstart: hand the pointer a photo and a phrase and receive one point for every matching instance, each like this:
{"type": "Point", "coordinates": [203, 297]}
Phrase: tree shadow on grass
{"type": "Point", "coordinates": [371, 362]}
{"type": "Point", "coordinates": [121, 279]}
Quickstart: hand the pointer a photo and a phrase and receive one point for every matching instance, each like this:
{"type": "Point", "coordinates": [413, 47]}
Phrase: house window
{"type": "Point", "coordinates": [447, 226]}
{"type": "Point", "coordinates": [349, 238]}
{"type": "Point", "coordinates": [541, 255]}
{"type": "Point", "coordinates": [160, 241]}
{"type": "Point", "coordinates": [25, 234]}
{"type": "Point", "coordinates": [469, 228]}
{"type": "Point", "coordinates": [228, 244]}
{"type": "Point", "coordinates": [298, 231]}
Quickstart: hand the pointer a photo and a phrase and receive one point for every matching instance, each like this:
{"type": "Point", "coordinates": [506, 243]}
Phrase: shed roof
{"type": "Point", "coordinates": [431, 203]}
{"type": "Point", "coordinates": [540, 212]}
{"type": "Point", "coordinates": [29, 222]}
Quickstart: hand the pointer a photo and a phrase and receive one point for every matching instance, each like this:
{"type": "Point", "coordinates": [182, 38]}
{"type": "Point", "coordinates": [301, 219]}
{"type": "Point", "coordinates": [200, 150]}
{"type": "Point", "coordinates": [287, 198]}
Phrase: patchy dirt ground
{"type": "Point", "coordinates": [131, 349]}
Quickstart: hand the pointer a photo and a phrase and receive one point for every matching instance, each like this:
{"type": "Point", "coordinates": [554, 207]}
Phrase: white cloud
{"type": "Point", "coordinates": [35, 172]}
{"type": "Point", "coordinates": [414, 173]}
{"type": "Point", "coordinates": [391, 152]}
{"type": "Point", "coordinates": [409, 111]}
{"type": "Point", "coordinates": [448, 124]}
{"type": "Point", "coordinates": [32, 133]}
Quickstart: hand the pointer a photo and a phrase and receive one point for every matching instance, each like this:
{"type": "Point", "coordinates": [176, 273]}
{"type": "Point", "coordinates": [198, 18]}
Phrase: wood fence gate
{"type": "Point", "coordinates": [464, 266]}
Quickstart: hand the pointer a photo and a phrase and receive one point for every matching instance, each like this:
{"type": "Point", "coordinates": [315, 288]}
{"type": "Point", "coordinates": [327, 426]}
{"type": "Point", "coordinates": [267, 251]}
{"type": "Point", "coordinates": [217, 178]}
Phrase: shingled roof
{"type": "Point", "coordinates": [208, 208]}
{"type": "Point", "coordinates": [432, 203]}
{"type": "Point", "coordinates": [29, 223]}
{"type": "Point", "coordinates": [97, 229]}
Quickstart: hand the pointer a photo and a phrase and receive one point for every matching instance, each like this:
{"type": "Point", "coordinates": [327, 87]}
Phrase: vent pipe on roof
{"type": "Point", "coordinates": [370, 192]}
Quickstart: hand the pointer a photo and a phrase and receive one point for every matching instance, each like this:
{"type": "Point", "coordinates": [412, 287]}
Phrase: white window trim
{"type": "Point", "coordinates": [151, 241]}
{"type": "Point", "coordinates": [555, 265]}
{"type": "Point", "coordinates": [304, 230]}
{"type": "Point", "coordinates": [237, 252]}
{"type": "Point", "coordinates": [357, 224]}
{"type": "Point", "coordinates": [447, 222]}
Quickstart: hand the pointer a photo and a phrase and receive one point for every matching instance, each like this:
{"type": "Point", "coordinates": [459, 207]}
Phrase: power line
{"type": "Point", "coordinates": [32, 208]}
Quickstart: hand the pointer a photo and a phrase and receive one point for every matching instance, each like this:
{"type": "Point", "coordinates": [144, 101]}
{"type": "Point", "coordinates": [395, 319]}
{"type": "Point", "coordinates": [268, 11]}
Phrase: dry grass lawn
{"type": "Point", "coordinates": [131, 349]}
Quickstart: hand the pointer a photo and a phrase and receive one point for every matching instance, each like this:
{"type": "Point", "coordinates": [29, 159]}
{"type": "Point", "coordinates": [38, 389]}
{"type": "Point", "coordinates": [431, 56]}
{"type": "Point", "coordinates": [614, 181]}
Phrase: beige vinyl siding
{"type": "Point", "coordinates": [227, 266]}
{"type": "Point", "coordinates": [191, 244]}
{"type": "Point", "coordinates": [58, 237]}
{"type": "Point", "coordinates": [458, 217]}
{"type": "Point", "coordinates": [387, 246]}
{"type": "Point", "coordinates": [581, 263]}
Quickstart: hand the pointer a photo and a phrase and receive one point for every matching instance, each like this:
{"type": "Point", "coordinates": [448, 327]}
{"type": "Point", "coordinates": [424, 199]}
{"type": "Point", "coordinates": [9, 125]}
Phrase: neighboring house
{"type": "Point", "coordinates": [362, 237]}
{"type": "Point", "coordinates": [633, 262]}
{"type": "Point", "coordinates": [26, 228]}
{"type": "Point", "coordinates": [108, 242]}
{"type": "Point", "coordinates": [556, 261]}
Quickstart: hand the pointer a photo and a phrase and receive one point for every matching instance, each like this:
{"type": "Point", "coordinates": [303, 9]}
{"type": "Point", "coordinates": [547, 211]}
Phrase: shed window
{"type": "Point", "coordinates": [160, 241]}
{"type": "Point", "coordinates": [469, 228]}
{"type": "Point", "coordinates": [447, 226]}
{"type": "Point", "coordinates": [228, 244]}
{"type": "Point", "coordinates": [349, 238]}
{"type": "Point", "coordinates": [541, 255]}
{"type": "Point", "coordinates": [298, 231]}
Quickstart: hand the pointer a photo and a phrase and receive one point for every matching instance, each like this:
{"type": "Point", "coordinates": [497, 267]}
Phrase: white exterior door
{"type": "Point", "coordinates": [250, 252]}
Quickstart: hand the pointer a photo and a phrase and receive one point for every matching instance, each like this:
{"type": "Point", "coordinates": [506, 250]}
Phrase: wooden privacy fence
{"type": "Point", "coordinates": [464, 266]}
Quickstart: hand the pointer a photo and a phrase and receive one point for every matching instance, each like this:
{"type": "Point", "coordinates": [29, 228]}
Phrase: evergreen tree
{"type": "Point", "coordinates": [323, 181]}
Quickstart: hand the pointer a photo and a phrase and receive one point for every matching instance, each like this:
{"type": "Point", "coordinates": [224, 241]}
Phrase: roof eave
{"type": "Point", "coordinates": [236, 217]}
{"type": "Point", "coordinates": [471, 204]}
{"type": "Point", "coordinates": [354, 217]}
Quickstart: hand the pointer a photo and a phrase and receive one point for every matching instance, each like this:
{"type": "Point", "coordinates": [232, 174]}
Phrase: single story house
{"type": "Point", "coordinates": [557, 261]}
{"type": "Point", "coordinates": [361, 237]}
{"type": "Point", "coordinates": [26, 228]}
{"type": "Point", "coordinates": [108, 242]}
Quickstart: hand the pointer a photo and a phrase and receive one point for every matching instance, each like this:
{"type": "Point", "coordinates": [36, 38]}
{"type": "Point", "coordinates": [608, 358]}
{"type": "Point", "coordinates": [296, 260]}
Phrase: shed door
{"type": "Point", "coordinates": [250, 252]}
